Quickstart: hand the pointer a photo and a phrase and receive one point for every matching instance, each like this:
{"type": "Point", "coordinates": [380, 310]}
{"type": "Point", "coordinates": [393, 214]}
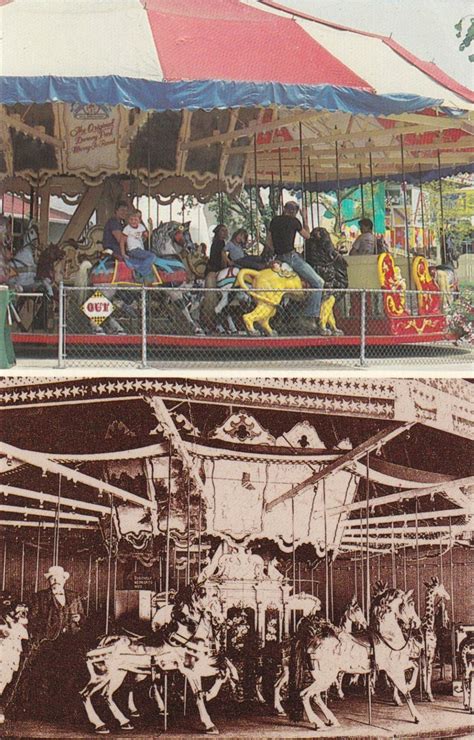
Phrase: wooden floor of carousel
{"type": "Point", "coordinates": [445, 718]}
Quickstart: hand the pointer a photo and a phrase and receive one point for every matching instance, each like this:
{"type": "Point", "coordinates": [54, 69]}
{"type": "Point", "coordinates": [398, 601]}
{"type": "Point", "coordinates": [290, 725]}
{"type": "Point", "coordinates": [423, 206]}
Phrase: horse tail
{"type": "Point", "coordinates": [81, 279]}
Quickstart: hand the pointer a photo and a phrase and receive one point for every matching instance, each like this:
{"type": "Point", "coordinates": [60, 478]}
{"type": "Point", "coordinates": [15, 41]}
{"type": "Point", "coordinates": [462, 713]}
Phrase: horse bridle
{"type": "Point", "coordinates": [376, 632]}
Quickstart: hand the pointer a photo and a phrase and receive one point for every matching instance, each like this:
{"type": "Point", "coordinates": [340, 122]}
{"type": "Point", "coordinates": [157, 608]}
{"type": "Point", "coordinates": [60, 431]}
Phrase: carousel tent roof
{"type": "Point", "coordinates": [175, 54]}
{"type": "Point", "coordinates": [196, 97]}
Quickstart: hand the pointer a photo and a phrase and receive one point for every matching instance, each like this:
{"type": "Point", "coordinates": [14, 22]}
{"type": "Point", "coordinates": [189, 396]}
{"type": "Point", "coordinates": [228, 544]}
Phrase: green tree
{"type": "Point", "coordinates": [456, 211]}
{"type": "Point", "coordinates": [239, 212]}
{"type": "Point", "coordinates": [468, 31]}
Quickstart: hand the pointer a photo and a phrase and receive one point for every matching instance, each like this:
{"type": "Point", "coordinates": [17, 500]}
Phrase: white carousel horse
{"type": "Point", "coordinates": [331, 651]}
{"type": "Point", "coordinates": [13, 632]}
{"type": "Point", "coordinates": [36, 269]}
{"type": "Point", "coordinates": [186, 644]}
{"type": "Point", "coordinates": [353, 614]}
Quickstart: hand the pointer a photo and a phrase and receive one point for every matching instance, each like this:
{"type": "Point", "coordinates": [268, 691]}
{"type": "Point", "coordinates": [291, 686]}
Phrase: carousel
{"type": "Point", "coordinates": [163, 121]}
{"type": "Point", "coordinates": [263, 556]}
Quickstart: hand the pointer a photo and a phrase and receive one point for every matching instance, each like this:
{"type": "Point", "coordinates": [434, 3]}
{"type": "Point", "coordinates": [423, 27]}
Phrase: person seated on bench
{"type": "Point", "coordinates": [366, 243]}
{"type": "Point", "coordinates": [234, 252]}
{"type": "Point", "coordinates": [132, 247]}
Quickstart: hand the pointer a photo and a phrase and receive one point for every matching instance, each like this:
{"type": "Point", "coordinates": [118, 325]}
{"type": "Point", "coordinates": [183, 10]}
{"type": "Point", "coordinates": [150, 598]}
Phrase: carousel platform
{"type": "Point", "coordinates": [445, 718]}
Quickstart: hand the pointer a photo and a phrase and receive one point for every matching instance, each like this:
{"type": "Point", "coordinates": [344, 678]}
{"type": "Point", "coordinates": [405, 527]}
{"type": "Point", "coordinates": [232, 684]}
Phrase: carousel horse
{"type": "Point", "coordinates": [36, 270]}
{"type": "Point", "coordinates": [353, 615]}
{"type": "Point", "coordinates": [331, 651]}
{"type": "Point", "coordinates": [177, 265]}
{"type": "Point", "coordinates": [186, 643]}
{"type": "Point", "coordinates": [332, 267]}
{"type": "Point", "coordinates": [13, 631]}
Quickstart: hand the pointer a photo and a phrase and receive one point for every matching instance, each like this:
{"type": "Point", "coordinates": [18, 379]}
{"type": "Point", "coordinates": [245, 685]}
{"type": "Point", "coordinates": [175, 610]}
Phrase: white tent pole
{"type": "Point", "coordinates": [42, 461]}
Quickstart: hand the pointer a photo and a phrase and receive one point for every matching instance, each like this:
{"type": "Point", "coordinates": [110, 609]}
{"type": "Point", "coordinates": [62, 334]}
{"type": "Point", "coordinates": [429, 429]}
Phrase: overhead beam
{"type": "Point", "coordinates": [373, 443]}
{"type": "Point", "coordinates": [249, 131]}
{"type": "Point", "coordinates": [400, 532]}
{"type": "Point", "coordinates": [44, 525]}
{"type": "Point", "coordinates": [443, 489]}
{"type": "Point", "coordinates": [42, 461]}
{"type": "Point", "coordinates": [50, 499]}
{"type": "Point", "coordinates": [48, 513]}
{"type": "Point", "coordinates": [171, 431]}
{"type": "Point", "coordinates": [423, 515]}
{"type": "Point", "coordinates": [310, 146]}
{"type": "Point", "coordinates": [16, 123]}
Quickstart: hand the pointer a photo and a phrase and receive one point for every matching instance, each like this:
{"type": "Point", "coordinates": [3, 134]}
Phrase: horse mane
{"type": "Point", "coordinates": [382, 603]}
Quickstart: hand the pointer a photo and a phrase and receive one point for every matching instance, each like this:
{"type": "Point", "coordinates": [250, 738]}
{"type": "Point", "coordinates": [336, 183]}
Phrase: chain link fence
{"type": "Point", "coordinates": [179, 327]}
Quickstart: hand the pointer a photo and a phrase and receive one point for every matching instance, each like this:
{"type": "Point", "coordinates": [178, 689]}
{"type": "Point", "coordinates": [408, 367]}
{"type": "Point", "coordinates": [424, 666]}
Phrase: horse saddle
{"type": "Point", "coordinates": [363, 638]}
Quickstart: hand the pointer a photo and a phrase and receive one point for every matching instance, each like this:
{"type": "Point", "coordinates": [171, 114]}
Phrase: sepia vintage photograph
{"type": "Point", "coordinates": [260, 557]}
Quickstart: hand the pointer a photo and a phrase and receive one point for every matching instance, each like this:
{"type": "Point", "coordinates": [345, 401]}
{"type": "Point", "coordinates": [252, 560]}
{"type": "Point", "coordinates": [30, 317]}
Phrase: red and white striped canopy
{"type": "Point", "coordinates": [173, 54]}
{"type": "Point", "coordinates": [208, 84]}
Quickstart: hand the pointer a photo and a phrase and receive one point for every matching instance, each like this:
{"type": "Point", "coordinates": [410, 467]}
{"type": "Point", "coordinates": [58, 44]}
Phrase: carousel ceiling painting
{"type": "Point", "coordinates": [204, 97]}
{"type": "Point", "coordinates": [290, 463]}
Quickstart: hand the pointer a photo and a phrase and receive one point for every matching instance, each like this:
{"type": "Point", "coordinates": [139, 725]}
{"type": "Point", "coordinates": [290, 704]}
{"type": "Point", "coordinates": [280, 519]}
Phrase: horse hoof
{"type": "Point", "coordinates": [212, 730]}
{"type": "Point", "coordinates": [135, 714]}
{"type": "Point", "coordinates": [417, 720]}
{"type": "Point", "coordinates": [102, 730]}
{"type": "Point", "coordinates": [282, 714]}
{"type": "Point", "coordinates": [127, 727]}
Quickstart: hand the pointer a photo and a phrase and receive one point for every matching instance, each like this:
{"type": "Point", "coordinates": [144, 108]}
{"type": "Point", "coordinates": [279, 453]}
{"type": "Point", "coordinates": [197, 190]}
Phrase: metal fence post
{"type": "Point", "coordinates": [61, 326]}
{"type": "Point", "coordinates": [363, 313]}
{"type": "Point", "coordinates": [144, 328]}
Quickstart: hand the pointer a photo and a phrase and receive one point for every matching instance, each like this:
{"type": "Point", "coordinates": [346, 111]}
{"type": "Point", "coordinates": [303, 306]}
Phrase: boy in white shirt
{"type": "Point", "coordinates": [132, 246]}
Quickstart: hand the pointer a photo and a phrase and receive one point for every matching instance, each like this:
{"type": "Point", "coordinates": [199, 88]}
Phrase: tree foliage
{"type": "Point", "coordinates": [468, 31]}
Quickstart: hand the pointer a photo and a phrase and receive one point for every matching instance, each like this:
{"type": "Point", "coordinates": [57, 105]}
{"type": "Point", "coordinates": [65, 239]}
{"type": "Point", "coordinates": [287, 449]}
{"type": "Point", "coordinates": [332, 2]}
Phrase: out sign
{"type": "Point", "coordinates": [97, 307]}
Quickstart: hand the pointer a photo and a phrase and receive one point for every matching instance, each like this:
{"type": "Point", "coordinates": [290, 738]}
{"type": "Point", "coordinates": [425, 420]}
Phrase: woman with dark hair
{"type": "Point", "coordinates": [215, 263]}
{"type": "Point", "coordinates": [332, 267]}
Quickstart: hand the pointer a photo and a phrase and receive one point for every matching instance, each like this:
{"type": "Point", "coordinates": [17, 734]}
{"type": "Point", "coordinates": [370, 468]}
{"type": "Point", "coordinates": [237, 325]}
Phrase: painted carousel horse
{"type": "Point", "coordinates": [330, 652]}
{"type": "Point", "coordinates": [36, 270]}
{"type": "Point", "coordinates": [13, 631]}
{"type": "Point", "coordinates": [186, 643]}
{"type": "Point", "coordinates": [177, 264]}
{"type": "Point", "coordinates": [332, 267]}
{"type": "Point", "coordinates": [353, 615]}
